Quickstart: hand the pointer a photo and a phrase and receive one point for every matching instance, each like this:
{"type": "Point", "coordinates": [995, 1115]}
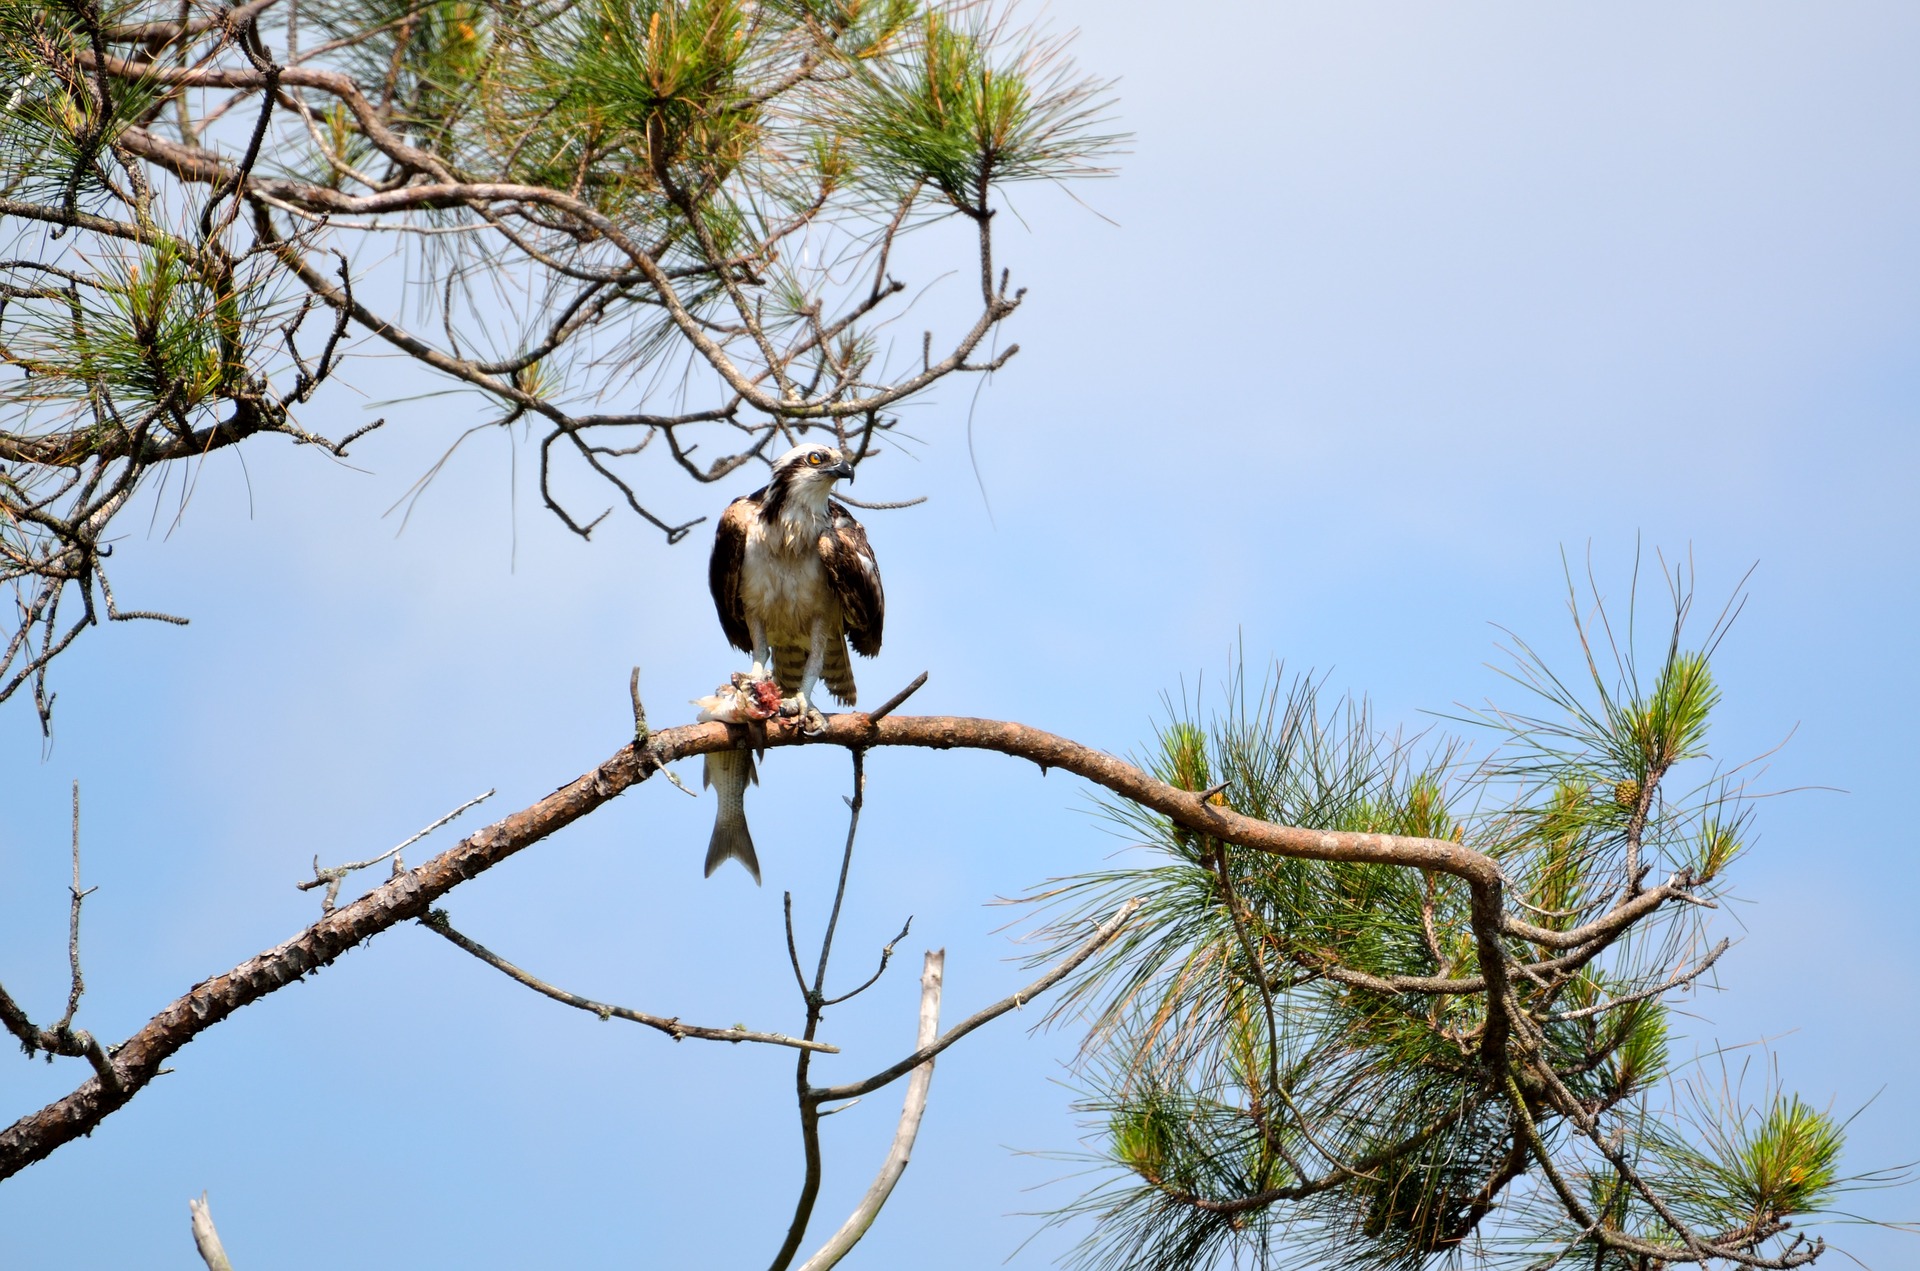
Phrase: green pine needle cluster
{"type": "Point", "coordinates": [652, 107]}
{"type": "Point", "coordinates": [55, 123]}
{"type": "Point", "coordinates": [1256, 1080]}
{"type": "Point", "coordinates": [951, 113]}
{"type": "Point", "coordinates": [150, 327]}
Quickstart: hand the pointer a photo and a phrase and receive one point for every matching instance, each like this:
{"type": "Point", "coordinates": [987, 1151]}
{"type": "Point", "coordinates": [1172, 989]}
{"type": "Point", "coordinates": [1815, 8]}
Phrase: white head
{"type": "Point", "coordinates": [806, 475]}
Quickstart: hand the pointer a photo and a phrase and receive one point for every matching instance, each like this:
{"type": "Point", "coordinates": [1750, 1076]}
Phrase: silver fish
{"type": "Point", "coordinates": [728, 772]}
{"type": "Point", "coordinates": [747, 701]}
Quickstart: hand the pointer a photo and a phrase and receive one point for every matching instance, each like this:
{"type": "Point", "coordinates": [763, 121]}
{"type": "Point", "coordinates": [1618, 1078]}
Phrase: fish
{"type": "Point", "coordinates": [748, 701]}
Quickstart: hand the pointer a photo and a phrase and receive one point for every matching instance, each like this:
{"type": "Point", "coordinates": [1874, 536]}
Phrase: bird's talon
{"type": "Point", "coordinates": [812, 722]}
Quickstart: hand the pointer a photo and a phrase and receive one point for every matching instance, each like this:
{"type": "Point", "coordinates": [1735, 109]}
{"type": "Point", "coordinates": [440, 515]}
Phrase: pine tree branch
{"type": "Point", "coordinates": [136, 1061]}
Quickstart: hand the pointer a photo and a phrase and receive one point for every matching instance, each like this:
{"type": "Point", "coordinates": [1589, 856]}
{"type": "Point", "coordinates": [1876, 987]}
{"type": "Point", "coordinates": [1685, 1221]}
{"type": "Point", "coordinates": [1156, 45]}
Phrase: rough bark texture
{"type": "Point", "coordinates": [141, 1056]}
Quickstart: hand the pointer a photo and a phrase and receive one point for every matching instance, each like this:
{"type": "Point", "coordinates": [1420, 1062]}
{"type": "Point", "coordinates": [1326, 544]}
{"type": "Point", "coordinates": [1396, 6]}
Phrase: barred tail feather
{"type": "Point", "coordinates": [790, 661]}
{"type": "Point", "coordinates": [838, 672]}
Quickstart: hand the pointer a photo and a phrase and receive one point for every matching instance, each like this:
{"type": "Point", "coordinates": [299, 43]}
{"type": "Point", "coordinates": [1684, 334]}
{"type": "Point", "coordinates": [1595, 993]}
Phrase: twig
{"type": "Point", "coordinates": [911, 1110]}
{"type": "Point", "coordinates": [1675, 982]}
{"type": "Point", "coordinates": [16, 1022]}
{"type": "Point", "coordinates": [331, 877]}
{"type": "Point", "coordinates": [886, 955]}
{"type": "Point", "coordinates": [793, 950]}
{"type": "Point", "coordinates": [79, 984]}
{"type": "Point", "coordinates": [340, 447]}
{"type": "Point", "coordinates": [205, 1238]}
{"type": "Point", "coordinates": [436, 922]}
{"type": "Point", "coordinates": [1106, 931]}
{"type": "Point", "coordinates": [97, 1056]}
{"type": "Point", "coordinates": [640, 730]}
{"type": "Point", "coordinates": [879, 507]}
{"type": "Point", "coordinates": [893, 703]}
{"type": "Point", "coordinates": [816, 1003]}
{"type": "Point", "coordinates": [815, 998]}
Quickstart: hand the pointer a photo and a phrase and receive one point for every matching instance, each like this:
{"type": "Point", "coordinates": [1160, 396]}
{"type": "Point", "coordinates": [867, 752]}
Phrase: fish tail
{"type": "Point", "coordinates": [728, 772]}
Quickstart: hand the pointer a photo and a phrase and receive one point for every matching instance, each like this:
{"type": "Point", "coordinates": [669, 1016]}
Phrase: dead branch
{"type": "Point", "coordinates": [205, 1238]}
{"type": "Point", "coordinates": [437, 922]}
{"type": "Point", "coordinates": [915, 1104]}
{"type": "Point", "coordinates": [331, 877]}
{"type": "Point", "coordinates": [929, 1048]}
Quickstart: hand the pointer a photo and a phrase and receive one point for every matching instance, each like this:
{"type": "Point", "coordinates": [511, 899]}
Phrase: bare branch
{"type": "Point", "coordinates": [894, 703]}
{"type": "Point", "coordinates": [816, 995]}
{"type": "Point", "coordinates": [639, 711]}
{"type": "Point", "coordinates": [79, 984]}
{"type": "Point", "coordinates": [1105, 932]}
{"type": "Point", "coordinates": [436, 921]}
{"type": "Point", "coordinates": [915, 1104]}
{"type": "Point", "coordinates": [205, 1238]}
{"type": "Point", "coordinates": [38, 1134]}
{"type": "Point", "coordinates": [331, 876]}
{"type": "Point", "coordinates": [1673, 982]}
{"type": "Point", "coordinates": [886, 956]}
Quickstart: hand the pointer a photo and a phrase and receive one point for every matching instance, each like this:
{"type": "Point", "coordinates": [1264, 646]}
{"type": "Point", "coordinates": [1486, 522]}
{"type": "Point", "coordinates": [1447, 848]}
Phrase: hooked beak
{"type": "Point", "coordinates": [842, 469]}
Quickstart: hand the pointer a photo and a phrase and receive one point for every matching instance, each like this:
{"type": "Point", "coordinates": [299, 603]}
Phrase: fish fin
{"type": "Point", "coordinates": [731, 842]}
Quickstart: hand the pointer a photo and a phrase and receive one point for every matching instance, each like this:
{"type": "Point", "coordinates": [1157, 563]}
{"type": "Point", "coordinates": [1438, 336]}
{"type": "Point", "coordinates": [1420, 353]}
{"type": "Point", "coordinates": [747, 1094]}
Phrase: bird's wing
{"type": "Point", "coordinates": [724, 570]}
{"type": "Point", "coordinates": [855, 576]}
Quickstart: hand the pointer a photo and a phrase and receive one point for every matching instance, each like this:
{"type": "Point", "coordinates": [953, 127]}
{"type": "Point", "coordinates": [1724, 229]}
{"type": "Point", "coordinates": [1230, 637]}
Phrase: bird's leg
{"type": "Point", "coordinates": [762, 650]}
{"type": "Point", "coordinates": [812, 720]}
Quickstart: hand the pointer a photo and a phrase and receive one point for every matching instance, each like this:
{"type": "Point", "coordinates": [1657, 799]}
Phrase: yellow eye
{"type": "Point", "coordinates": [815, 459]}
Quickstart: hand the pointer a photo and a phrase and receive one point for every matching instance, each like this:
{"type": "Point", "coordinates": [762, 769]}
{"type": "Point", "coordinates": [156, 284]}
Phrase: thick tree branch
{"type": "Point", "coordinates": [409, 896]}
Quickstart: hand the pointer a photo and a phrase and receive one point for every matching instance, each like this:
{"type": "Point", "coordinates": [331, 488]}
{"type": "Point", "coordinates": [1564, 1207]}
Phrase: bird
{"type": "Point", "coordinates": [794, 583]}
{"type": "Point", "coordinates": [794, 579]}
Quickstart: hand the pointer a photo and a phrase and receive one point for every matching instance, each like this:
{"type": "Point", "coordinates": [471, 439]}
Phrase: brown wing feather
{"type": "Point", "coordinates": [723, 571]}
{"type": "Point", "coordinates": [855, 577]}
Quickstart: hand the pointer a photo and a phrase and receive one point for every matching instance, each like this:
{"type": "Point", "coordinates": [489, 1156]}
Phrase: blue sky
{"type": "Point", "coordinates": [1390, 306]}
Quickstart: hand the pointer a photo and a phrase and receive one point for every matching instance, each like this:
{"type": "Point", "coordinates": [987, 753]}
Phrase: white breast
{"type": "Point", "coordinates": [782, 580]}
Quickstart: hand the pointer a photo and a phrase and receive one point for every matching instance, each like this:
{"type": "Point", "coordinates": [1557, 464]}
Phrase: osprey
{"type": "Point", "coordinates": [794, 582]}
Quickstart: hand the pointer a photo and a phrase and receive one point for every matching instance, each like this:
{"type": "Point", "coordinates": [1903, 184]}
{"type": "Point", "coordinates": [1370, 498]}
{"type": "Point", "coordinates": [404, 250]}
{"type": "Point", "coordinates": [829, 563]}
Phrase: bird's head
{"type": "Point", "coordinates": [812, 466]}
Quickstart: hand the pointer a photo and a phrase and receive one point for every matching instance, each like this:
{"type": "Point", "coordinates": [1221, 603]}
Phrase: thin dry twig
{"type": "Point", "coordinates": [332, 876]}
{"type": "Point", "coordinates": [1013, 1001]}
{"type": "Point", "coordinates": [894, 703]}
{"type": "Point", "coordinates": [1673, 982]}
{"type": "Point", "coordinates": [437, 922]}
{"type": "Point", "coordinates": [78, 984]}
